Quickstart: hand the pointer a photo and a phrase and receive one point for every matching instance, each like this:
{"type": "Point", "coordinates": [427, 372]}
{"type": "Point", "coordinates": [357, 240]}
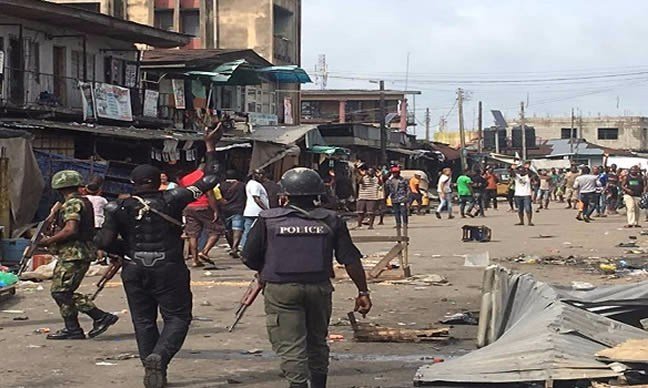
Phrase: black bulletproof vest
{"type": "Point", "coordinates": [149, 237]}
{"type": "Point", "coordinates": [86, 229]}
{"type": "Point", "coordinates": [298, 249]}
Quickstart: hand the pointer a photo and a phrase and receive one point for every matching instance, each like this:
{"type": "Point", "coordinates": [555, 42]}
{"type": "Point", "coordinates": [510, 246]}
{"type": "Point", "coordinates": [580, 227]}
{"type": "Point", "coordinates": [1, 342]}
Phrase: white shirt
{"type": "Point", "coordinates": [444, 184]}
{"type": "Point", "coordinates": [98, 204]}
{"type": "Point", "coordinates": [254, 189]}
{"type": "Point", "coordinates": [587, 183]}
{"type": "Point", "coordinates": [522, 185]}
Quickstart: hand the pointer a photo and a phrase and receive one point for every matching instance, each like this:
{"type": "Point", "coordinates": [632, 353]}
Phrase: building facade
{"type": "Point", "coordinates": [354, 106]}
{"type": "Point", "coordinates": [625, 132]}
{"type": "Point", "coordinates": [270, 27]}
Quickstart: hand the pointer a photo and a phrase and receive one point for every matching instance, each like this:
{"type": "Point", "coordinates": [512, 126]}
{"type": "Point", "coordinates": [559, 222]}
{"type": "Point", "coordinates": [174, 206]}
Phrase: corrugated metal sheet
{"type": "Point", "coordinates": [538, 334]}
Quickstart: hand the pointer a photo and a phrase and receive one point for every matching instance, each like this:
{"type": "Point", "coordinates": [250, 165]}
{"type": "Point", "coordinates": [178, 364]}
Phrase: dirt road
{"type": "Point", "coordinates": [212, 357]}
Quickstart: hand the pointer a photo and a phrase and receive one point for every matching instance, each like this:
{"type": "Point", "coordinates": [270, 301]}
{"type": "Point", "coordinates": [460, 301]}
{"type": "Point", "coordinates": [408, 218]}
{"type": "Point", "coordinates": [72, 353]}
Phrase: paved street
{"type": "Point", "coordinates": [213, 357]}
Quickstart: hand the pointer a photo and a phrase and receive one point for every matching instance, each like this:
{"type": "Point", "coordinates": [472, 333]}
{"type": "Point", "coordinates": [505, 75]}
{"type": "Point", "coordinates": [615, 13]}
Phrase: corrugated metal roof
{"type": "Point", "coordinates": [538, 335]}
{"type": "Point", "coordinates": [198, 58]}
{"type": "Point", "coordinates": [285, 134]}
{"type": "Point", "coordinates": [562, 147]}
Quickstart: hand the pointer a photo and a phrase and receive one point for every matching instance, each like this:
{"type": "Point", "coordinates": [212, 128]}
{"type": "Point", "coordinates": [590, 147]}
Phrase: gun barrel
{"type": "Point", "coordinates": [237, 319]}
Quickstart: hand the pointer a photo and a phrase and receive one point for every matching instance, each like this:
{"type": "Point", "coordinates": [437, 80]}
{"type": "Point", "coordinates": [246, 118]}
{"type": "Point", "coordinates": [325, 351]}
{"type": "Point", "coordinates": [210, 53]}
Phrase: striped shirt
{"type": "Point", "coordinates": [368, 188]}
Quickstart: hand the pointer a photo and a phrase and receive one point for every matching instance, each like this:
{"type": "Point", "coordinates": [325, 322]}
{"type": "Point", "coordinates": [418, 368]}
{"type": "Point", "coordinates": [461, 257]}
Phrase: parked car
{"type": "Point", "coordinates": [424, 186]}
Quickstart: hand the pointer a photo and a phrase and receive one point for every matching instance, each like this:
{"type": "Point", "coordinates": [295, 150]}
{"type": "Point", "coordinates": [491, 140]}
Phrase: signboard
{"type": "Point", "coordinates": [130, 75]}
{"type": "Point", "coordinates": [113, 102]}
{"type": "Point", "coordinates": [288, 116]}
{"type": "Point", "coordinates": [262, 119]}
{"type": "Point", "coordinates": [88, 101]}
{"type": "Point", "coordinates": [151, 103]}
{"type": "Point", "coordinates": [179, 93]}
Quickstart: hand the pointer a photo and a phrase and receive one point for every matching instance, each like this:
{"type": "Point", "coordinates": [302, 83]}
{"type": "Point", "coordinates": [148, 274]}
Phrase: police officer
{"type": "Point", "coordinates": [154, 273]}
{"type": "Point", "coordinates": [75, 249]}
{"type": "Point", "coordinates": [292, 247]}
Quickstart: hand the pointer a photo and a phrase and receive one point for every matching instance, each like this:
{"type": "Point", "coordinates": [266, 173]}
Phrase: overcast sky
{"type": "Point", "coordinates": [461, 41]}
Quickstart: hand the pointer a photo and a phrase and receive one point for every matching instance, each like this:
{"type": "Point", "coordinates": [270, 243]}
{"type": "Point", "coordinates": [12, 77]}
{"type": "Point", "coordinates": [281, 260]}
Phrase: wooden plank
{"type": "Point", "coordinates": [382, 264]}
{"type": "Point", "coordinates": [369, 239]}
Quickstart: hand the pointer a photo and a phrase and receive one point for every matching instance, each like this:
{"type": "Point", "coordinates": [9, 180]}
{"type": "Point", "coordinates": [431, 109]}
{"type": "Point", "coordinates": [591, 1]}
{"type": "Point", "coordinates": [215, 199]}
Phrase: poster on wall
{"type": "Point", "coordinates": [88, 101]}
{"type": "Point", "coordinates": [179, 93]}
{"type": "Point", "coordinates": [151, 103]}
{"type": "Point", "coordinates": [288, 116]}
{"type": "Point", "coordinates": [130, 75]}
{"type": "Point", "coordinates": [113, 102]}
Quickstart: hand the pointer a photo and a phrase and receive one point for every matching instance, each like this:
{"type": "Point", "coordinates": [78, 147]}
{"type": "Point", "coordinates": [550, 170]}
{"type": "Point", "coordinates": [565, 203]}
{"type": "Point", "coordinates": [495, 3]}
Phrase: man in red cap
{"type": "Point", "coordinates": [397, 189]}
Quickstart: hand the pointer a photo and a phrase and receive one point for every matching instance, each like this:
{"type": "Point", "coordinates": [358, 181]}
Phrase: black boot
{"type": "Point", "coordinates": [71, 331]}
{"type": "Point", "coordinates": [297, 385]}
{"type": "Point", "coordinates": [102, 321]}
{"type": "Point", "coordinates": [154, 372]}
{"type": "Point", "coordinates": [318, 380]}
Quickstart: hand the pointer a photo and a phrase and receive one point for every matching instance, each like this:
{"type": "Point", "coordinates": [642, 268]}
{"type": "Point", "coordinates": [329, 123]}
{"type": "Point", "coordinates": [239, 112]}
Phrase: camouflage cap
{"type": "Point", "coordinates": [66, 178]}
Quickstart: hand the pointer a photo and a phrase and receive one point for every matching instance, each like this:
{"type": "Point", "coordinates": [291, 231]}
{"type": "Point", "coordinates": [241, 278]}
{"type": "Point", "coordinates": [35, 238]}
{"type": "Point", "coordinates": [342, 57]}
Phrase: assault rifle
{"type": "Point", "coordinates": [248, 298]}
{"type": "Point", "coordinates": [115, 265]}
{"type": "Point", "coordinates": [38, 235]}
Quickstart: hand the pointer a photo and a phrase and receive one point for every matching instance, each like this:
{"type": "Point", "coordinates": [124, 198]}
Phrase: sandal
{"type": "Point", "coordinates": [197, 264]}
{"type": "Point", "coordinates": [203, 257]}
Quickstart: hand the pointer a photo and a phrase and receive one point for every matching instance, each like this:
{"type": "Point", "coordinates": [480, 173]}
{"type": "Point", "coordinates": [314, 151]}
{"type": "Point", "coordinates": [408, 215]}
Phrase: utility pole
{"type": "Point", "coordinates": [427, 124]}
{"type": "Point", "coordinates": [462, 137]}
{"type": "Point", "coordinates": [571, 136]}
{"type": "Point", "coordinates": [523, 128]}
{"type": "Point", "coordinates": [383, 129]}
{"type": "Point", "coordinates": [479, 128]}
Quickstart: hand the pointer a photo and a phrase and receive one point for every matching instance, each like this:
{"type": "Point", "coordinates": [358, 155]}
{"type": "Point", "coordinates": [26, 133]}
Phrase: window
{"type": "Point", "coordinates": [33, 61]}
{"type": "Point", "coordinates": [77, 65]}
{"type": "Point", "coordinates": [164, 20]}
{"type": "Point", "coordinates": [564, 133]}
{"type": "Point", "coordinates": [608, 133]}
{"type": "Point", "coordinates": [190, 22]}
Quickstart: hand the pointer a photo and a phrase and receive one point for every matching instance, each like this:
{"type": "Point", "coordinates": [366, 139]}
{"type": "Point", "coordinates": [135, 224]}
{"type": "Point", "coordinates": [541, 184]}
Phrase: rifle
{"type": "Point", "coordinates": [37, 237]}
{"type": "Point", "coordinates": [248, 298]}
{"type": "Point", "coordinates": [115, 265]}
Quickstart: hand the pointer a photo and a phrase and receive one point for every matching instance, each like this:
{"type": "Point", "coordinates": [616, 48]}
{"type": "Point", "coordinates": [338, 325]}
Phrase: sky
{"type": "Point", "coordinates": [552, 55]}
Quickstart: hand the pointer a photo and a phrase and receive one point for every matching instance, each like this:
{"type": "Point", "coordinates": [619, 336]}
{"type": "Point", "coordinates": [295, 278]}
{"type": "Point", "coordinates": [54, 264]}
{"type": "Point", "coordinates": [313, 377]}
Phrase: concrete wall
{"type": "Point", "coordinates": [140, 11]}
{"type": "Point", "coordinates": [633, 130]}
{"type": "Point", "coordinates": [245, 24]}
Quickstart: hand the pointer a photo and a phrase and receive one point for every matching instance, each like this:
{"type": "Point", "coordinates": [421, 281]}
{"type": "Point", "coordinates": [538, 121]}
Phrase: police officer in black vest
{"type": "Point", "coordinates": [292, 247]}
{"type": "Point", "coordinates": [154, 273]}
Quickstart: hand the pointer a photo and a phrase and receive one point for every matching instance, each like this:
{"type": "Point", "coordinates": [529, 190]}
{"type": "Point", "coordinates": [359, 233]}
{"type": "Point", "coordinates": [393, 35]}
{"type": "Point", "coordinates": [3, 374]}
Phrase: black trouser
{"type": "Point", "coordinates": [509, 198]}
{"type": "Point", "coordinates": [590, 202]}
{"type": "Point", "coordinates": [478, 201]}
{"type": "Point", "coordinates": [491, 194]}
{"type": "Point", "coordinates": [165, 286]}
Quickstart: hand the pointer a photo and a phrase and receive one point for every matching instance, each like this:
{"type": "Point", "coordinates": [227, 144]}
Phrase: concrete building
{"type": "Point", "coordinates": [354, 106]}
{"type": "Point", "coordinates": [627, 133]}
{"type": "Point", "coordinates": [272, 28]}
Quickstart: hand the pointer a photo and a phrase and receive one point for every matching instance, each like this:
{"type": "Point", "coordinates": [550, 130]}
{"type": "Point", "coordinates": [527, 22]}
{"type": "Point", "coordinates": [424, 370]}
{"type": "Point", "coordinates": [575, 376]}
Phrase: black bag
{"type": "Point", "coordinates": [643, 202]}
{"type": "Point", "coordinates": [480, 233]}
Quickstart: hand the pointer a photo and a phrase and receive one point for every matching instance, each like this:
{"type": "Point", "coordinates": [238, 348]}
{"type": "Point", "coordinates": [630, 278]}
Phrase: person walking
{"type": "Point", "coordinates": [415, 194]}
{"type": "Point", "coordinates": [523, 194]}
{"type": "Point", "coordinates": [633, 186]}
{"type": "Point", "coordinates": [72, 243]}
{"type": "Point", "coordinates": [586, 184]}
{"type": "Point", "coordinates": [465, 192]}
{"type": "Point", "coordinates": [612, 190]}
{"type": "Point", "coordinates": [368, 196]}
{"type": "Point", "coordinates": [154, 272]}
{"type": "Point", "coordinates": [231, 208]}
{"type": "Point", "coordinates": [397, 190]}
{"type": "Point", "coordinates": [491, 188]}
{"type": "Point", "coordinates": [256, 202]}
{"type": "Point", "coordinates": [444, 189]}
{"type": "Point", "coordinates": [201, 217]}
{"type": "Point", "coordinates": [544, 190]}
{"type": "Point", "coordinates": [292, 248]}
{"type": "Point", "coordinates": [510, 194]}
{"type": "Point", "coordinates": [601, 198]}
{"type": "Point", "coordinates": [479, 185]}
{"type": "Point", "coordinates": [570, 193]}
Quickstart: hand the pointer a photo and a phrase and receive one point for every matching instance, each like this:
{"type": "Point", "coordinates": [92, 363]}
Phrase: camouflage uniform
{"type": "Point", "coordinates": [73, 261]}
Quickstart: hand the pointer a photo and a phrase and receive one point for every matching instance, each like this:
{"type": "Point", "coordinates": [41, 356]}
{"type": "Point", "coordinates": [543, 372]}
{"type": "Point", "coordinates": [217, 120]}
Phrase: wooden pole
{"type": "Point", "coordinates": [5, 204]}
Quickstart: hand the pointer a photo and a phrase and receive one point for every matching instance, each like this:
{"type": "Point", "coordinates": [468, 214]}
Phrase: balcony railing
{"type": "Point", "coordinates": [284, 49]}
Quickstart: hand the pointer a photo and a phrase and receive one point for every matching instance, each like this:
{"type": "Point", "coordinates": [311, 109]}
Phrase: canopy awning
{"type": "Point", "coordinates": [231, 73]}
{"type": "Point", "coordinates": [290, 74]}
{"type": "Point", "coordinates": [329, 150]}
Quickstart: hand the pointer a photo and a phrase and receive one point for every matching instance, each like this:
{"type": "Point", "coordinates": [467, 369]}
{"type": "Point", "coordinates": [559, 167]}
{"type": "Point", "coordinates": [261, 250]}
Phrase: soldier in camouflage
{"type": "Point", "coordinates": [73, 245]}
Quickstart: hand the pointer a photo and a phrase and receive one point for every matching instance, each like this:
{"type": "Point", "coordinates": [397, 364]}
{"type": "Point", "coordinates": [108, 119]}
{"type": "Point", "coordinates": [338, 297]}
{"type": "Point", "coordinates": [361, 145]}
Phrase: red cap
{"type": "Point", "coordinates": [395, 169]}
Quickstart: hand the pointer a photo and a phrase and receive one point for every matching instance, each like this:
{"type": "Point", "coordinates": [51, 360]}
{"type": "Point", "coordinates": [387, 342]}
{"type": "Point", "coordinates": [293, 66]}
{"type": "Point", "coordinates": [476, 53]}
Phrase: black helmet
{"type": "Point", "coordinates": [302, 181]}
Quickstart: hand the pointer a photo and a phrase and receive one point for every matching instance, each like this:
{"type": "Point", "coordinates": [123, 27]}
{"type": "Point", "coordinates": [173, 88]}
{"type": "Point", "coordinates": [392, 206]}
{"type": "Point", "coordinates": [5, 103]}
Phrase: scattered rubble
{"type": "Point", "coordinates": [363, 332]}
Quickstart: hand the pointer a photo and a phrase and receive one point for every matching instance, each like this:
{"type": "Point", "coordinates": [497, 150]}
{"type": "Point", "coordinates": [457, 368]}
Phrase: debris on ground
{"type": "Point", "coordinates": [336, 337]}
{"type": "Point", "coordinates": [12, 311]}
{"type": "Point", "coordinates": [477, 260]}
{"type": "Point", "coordinates": [42, 330]}
{"type": "Point", "coordinates": [466, 318]}
{"type": "Point", "coordinates": [628, 245]}
{"type": "Point", "coordinates": [422, 280]}
{"type": "Point", "coordinates": [582, 286]}
{"type": "Point", "coordinates": [119, 357]}
{"type": "Point", "coordinates": [608, 268]}
{"type": "Point", "coordinates": [363, 332]}
{"type": "Point", "coordinates": [253, 351]}
{"type": "Point", "coordinates": [103, 363]}
{"type": "Point", "coordinates": [24, 318]}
